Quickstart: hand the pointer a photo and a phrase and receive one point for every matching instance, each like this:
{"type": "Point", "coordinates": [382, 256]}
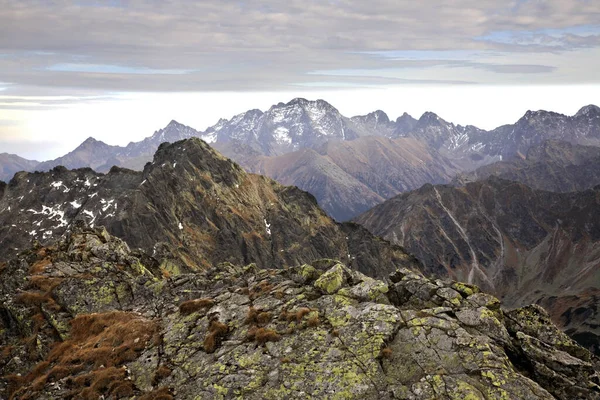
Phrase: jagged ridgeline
{"type": "Point", "coordinates": [88, 319]}
{"type": "Point", "coordinates": [190, 208]}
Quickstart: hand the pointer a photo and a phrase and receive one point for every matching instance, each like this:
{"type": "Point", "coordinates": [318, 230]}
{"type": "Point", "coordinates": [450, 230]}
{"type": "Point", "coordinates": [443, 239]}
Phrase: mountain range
{"type": "Point", "coordinates": [311, 133]}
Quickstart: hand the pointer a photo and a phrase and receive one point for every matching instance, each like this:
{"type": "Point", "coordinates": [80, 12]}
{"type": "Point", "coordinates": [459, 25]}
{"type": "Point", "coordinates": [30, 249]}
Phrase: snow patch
{"type": "Point", "coordinates": [267, 227]}
{"type": "Point", "coordinates": [75, 204]}
{"type": "Point", "coordinates": [282, 135]}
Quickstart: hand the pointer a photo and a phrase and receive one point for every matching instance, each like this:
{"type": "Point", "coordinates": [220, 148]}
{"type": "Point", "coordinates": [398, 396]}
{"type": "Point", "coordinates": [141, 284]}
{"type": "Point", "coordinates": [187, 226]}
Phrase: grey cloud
{"type": "Point", "coordinates": [254, 44]}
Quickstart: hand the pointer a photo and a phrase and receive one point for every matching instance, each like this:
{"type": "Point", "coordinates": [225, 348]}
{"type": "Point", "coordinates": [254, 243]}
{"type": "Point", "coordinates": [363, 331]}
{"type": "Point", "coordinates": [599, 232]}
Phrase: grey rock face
{"type": "Point", "coordinates": [101, 322]}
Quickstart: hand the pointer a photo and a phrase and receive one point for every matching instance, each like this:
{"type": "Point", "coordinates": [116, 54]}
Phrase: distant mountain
{"type": "Point", "coordinates": [524, 245]}
{"type": "Point", "coordinates": [91, 153]}
{"type": "Point", "coordinates": [12, 163]}
{"type": "Point", "coordinates": [552, 165]}
{"type": "Point", "coordinates": [101, 157]}
{"type": "Point", "coordinates": [349, 177]}
{"type": "Point", "coordinates": [193, 203]}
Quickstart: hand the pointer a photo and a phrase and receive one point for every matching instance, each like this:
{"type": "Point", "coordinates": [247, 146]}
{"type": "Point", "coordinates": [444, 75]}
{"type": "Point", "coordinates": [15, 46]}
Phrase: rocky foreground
{"type": "Point", "coordinates": [90, 319]}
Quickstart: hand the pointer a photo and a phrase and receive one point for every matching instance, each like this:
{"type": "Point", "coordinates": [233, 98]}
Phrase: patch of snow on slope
{"type": "Point", "coordinates": [282, 135]}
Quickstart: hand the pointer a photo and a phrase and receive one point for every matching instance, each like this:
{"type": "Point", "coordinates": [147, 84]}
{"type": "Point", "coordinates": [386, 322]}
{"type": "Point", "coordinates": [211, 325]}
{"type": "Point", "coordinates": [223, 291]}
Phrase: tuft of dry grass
{"type": "Point", "coordinates": [386, 353]}
{"type": "Point", "coordinates": [40, 266]}
{"type": "Point", "coordinates": [32, 298]}
{"type": "Point", "coordinates": [161, 373]}
{"type": "Point", "coordinates": [313, 321]}
{"type": "Point", "coordinates": [162, 393]}
{"type": "Point", "coordinates": [298, 315]}
{"type": "Point", "coordinates": [263, 318]}
{"type": "Point", "coordinates": [216, 331]}
{"type": "Point", "coordinates": [44, 283]}
{"type": "Point", "coordinates": [251, 315]}
{"type": "Point", "coordinates": [264, 335]}
{"type": "Point", "coordinates": [191, 306]}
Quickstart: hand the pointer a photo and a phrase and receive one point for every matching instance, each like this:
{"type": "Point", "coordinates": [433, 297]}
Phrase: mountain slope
{"type": "Point", "coordinates": [522, 244]}
{"type": "Point", "coordinates": [12, 163]}
{"type": "Point", "coordinates": [552, 165]}
{"type": "Point", "coordinates": [90, 319]}
{"type": "Point", "coordinates": [349, 177]}
{"type": "Point", "coordinates": [91, 153]}
{"type": "Point", "coordinates": [193, 203]}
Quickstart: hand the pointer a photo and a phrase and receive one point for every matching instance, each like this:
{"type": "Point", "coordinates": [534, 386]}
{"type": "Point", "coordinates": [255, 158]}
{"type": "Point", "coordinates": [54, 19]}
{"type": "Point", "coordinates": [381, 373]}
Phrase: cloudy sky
{"type": "Point", "coordinates": [119, 70]}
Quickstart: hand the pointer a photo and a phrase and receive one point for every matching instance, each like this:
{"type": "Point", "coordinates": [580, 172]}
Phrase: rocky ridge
{"type": "Point", "coordinates": [193, 203]}
{"type": "Point", "coordinates": [88, 318]}
{"type": "Point", "coordinates": [552, 165]}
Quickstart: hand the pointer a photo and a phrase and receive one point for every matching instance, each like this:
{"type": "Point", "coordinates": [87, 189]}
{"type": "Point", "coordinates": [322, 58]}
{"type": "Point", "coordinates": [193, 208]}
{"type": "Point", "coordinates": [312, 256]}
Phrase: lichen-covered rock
{"type": "Point", "coordinates": [89, 319]}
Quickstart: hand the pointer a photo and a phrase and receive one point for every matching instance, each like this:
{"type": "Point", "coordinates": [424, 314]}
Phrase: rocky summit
{"type": "Point", "coordinates": [191, 208]}
{"type": "Point", "coordinates": [87, 318]}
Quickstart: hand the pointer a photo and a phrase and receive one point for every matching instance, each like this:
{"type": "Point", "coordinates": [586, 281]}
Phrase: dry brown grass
{"type": "Point", "coordinates": [386, 353]}
{"type": "Point", "coordinates": [263, 335]}
{"type": "Point", "coordinates": [263, 318]}
{"type": "Point", "coordinates": [99, 344]}
{"type": "Point", "coordinates": [313, 321]}
{"type": "Point", "coordinates": [251, 315]}
{"type": "Point", "coordinates": [161, 373]}
{"type": "Point", "coordinates": [191, 306]}
{"type": "Point", "coordinates": [40, 266]}
{"type": "Point", "coordinates": [32, 298]}
{"type": "Point", "coordinates": [216, 331]}
{"type": "Point", "coordinates": [298, 315]}
{"type": "Point", "coordinates": [162, 393]}
{"type": "Point", "coordinates": [335, 333]}
{"type": "Point", "coordinates": [44, 283]}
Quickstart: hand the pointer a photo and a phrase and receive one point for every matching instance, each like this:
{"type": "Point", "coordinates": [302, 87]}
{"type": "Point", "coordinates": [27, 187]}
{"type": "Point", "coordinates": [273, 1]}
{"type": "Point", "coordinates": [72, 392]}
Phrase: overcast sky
{"type": "Point", "coordinates": [119, 70]}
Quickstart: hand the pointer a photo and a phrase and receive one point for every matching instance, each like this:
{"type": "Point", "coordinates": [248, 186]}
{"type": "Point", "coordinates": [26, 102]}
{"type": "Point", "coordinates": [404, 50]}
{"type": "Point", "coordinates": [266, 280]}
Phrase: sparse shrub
{"type": "Point", "coordinates": [279, 294]}
{"type": "Point", "coordinates": [285, 360]}
{"type": "Point", "coordinates": [191, 306]}
{"type": "Point", "coordinates": [335, 333]}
